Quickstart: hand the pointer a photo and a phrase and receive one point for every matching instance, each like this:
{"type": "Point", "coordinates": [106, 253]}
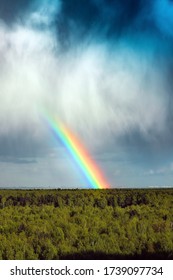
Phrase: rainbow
{"type": "Point", "coordinates": [79, 154]}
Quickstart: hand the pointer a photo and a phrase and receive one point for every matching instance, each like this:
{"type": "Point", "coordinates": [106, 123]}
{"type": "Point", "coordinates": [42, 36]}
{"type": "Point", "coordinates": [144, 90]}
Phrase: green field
{"type": "Point", "coordinates": [86, 224]}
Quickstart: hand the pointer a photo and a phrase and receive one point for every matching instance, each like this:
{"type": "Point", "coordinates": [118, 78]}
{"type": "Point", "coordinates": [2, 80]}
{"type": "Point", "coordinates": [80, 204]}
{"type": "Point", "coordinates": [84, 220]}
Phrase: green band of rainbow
{"type": "Point", "coordinates": [79, 154]}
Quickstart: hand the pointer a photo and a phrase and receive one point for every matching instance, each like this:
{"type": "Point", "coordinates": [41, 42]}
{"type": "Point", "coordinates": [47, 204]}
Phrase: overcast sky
{"type": "Point", "coordinates": [105, 69]}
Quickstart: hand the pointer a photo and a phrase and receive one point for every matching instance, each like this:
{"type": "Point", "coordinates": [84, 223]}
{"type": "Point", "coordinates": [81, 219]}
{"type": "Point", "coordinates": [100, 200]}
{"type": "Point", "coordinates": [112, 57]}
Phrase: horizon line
{"type": "Point", "coordinates": [83, 188]}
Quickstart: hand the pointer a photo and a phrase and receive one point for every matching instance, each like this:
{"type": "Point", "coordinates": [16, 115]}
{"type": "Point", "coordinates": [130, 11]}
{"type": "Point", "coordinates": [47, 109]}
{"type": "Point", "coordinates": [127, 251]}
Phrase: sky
{"type": "Point", "coordinates": [104, 68]}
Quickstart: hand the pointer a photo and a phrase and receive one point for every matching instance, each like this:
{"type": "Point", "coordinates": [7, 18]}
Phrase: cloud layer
{"type": "Point", "coordinates": [104, 68]}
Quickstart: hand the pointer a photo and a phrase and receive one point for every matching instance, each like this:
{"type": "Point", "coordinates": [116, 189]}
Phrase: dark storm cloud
{"type": "Point", "coordinates": [11, 10]}
{"type": "Point", "coordinates": [20, 146]}
{"type": "Point", "coordinates": [98, 18]}
{"type": "Point", "coordinates": [145, 24]}
{"type": "Point", "coordinates": [16, 160]}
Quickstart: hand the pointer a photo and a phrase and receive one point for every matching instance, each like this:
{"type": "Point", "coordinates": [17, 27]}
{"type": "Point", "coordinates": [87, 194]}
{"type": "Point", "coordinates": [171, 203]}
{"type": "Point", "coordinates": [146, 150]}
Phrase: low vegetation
{"type": "Point", "coordinates": [86, 224]}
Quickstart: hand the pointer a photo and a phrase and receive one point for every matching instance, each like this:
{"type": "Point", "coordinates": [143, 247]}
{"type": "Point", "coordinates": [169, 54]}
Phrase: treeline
{"type": "Point", "coordinates": [76, 197]}
{"type": "Point", "coordinates": [76, 224]}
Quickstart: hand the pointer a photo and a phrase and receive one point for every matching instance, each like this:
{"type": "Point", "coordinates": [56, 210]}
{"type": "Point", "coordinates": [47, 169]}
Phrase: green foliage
{"type": "Point", "coordinates": [55, 224]}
